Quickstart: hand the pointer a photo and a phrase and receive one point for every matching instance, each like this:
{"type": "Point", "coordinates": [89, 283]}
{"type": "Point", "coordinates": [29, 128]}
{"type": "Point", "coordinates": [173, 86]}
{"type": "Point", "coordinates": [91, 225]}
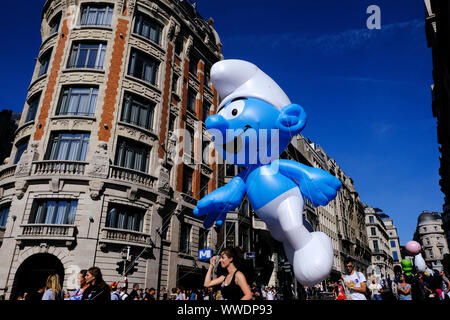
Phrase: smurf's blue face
{"type": "Point", "coordinates": [246, 132]}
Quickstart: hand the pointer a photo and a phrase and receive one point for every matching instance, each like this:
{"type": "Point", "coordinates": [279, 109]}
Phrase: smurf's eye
{"type": "Point", "coordinates": [233, 110]}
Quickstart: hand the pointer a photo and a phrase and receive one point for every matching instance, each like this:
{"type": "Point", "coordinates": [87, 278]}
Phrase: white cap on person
{"type": "Point", "coordinates": [238, 78]}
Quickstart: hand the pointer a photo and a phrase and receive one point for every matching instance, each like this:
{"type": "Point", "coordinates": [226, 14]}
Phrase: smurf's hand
{"type": "Point", "coordinates": [218, 203]}
{"type": "Point", "coordinates": [316, 185]}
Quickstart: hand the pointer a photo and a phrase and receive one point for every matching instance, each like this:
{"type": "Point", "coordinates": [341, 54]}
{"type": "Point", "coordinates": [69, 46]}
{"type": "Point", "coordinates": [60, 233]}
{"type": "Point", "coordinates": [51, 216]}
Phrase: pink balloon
{"type": "Point", "coordinates": [413, 247]}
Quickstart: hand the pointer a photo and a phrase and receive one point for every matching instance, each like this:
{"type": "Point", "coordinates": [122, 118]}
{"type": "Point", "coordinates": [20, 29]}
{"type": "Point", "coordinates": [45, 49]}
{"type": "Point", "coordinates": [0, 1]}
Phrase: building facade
{"type": "Point", "coordinates": [384, 244]}
{"type": "Point", "coordinates": [102, 168]}
{"type": "Point", "coordinates": [437, 27]}
{"type": "Point", "coordinates": [394, 240]}
{"type": "Point", "coordinates": [430, 234]}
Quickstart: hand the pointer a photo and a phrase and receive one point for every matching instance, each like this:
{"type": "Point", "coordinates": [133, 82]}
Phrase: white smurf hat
{"type": "Point", "coordinates": [238, 78]}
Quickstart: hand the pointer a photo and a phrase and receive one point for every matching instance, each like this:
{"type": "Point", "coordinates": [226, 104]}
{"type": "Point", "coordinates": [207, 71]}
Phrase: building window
{"type": "Point", "coordinates": [191, 100]}
{"type": "Point", "coordinates": [132, 155]}
{"type": "Point", "coordinates": [4, 212]}
{"type": "Point", "coordinates": [206, 76]}
{"type": "Point", "coordinates": [371, 219]}
{"type": "Point", "coordinates": [21, 146]}
{"type": "Point", "coordinates": [142, 66]}
{"type": "Point", "coordinates": [179, 45]}
{"type": "Point", "coordinates": [193, 63]}
{"type": "Point", "coordinates": [138, 111]}
{"type": "Point", "coordinates": [424, 229]}
{"type": "Point", "coordinates": [80, 101]}
{"type": "Point", "coordinates": [373, 231]}
{"type": "Point", "coordinates": [125, 217]}
{"type": "Point", "coordinates": [44, 61]}
{"type": "Point", "coordinates": [54, 24]}
{"type": "Point", "coordinates": [204, 180]}
{"type": "Point", "coordinates": [96, 15]}
{"type": "Point", "coordinates": [185, 238]}
{"type": "Point", "coordinates": [393, 245]}
{"type": "Point", "coordinates": [203, 239]}
{"type": "Point", "coordinates": [206, 110]}
{"type": "Point", "coordinates": [189, 142]}
{"type": "Point", "coordinates": [87, 55]}
{"type": "Point", "coordinates": [205, 151]}
{"type": "Point", "coordinates": [187, 180]}
{"type": "Point", "coordinates": [375, 246]}
{"type": "Point", "coordinates": [68, 146]}
{"type": "Point", "coordinates": [172, 120]}
{"type": "Point", "coordinates": [145, 27]}
{"type": "Point", "coordinates": [175, 83]}
{"type": "Point", "coordinates": [33, 105]}
{"type": "Point", "coordinates": [54, 212]}
{"type": "Point", "coordinates": [395, 255]}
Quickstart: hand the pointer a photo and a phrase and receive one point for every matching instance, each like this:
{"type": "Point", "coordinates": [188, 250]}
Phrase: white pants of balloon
{"type": "Point", "coordinates": [310, 253]}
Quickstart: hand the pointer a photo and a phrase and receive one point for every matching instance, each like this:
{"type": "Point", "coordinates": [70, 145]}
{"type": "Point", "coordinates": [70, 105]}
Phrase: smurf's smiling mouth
{"type": "Point", "coordinates": [235, 145]}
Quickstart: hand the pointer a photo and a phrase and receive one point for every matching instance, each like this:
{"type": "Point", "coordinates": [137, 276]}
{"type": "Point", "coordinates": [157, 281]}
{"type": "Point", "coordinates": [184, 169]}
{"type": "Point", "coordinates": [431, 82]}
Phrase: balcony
{"type": "Point", "coordinates": [47, 233]}
{"type": "Point", "coordinates": [131, 176]}
{"type": "Point", "coordinates": [58, 167]}
{"type": "Point", "coordinates": [7, 172]}
{"type": "Point", "coordinates": [125, 237]}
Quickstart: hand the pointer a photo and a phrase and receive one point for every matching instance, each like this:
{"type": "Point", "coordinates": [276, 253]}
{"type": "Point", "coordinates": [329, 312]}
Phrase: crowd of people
{"type": "Point", "coordinates": [231, 284]}
{"type": "Point", "coordinates": [428, 285]}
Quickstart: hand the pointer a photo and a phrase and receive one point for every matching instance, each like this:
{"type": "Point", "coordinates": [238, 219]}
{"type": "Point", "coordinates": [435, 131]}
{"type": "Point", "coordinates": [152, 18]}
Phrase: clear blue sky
{"type": "Point", "coordinates": [367, 92]}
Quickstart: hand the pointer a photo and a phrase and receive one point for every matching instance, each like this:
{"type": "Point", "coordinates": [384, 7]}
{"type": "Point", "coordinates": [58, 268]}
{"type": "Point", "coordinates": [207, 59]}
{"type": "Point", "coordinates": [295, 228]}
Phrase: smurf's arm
{"type": "Point", "coordinates": [316, 185]}
{"type": "Point", "coordinates": [218, 203]}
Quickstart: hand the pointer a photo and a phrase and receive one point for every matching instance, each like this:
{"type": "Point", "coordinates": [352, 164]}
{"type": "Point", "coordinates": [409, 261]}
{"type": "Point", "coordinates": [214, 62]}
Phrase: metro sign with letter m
{"type": "Point", "coordinates": [204, 254]}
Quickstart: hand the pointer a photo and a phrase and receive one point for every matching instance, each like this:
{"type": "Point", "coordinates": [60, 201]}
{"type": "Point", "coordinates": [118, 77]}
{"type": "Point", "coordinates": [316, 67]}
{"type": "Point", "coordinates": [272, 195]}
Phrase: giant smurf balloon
{"type": "Point", "coordinates": [254, 124]}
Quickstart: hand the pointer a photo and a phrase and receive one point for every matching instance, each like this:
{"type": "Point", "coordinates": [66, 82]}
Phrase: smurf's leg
{"type": "Point", "coordinates": [311, 254]}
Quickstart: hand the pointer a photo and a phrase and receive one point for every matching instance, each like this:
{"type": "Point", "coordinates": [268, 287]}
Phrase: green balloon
{"type": "Point", "coordinates": [407, 266]}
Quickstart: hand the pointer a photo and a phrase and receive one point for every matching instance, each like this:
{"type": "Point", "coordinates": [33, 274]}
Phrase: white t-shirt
{"type": "Point", "coordinates": [356, 278]}
{"type": "Point", "coordinates": [375, 288]}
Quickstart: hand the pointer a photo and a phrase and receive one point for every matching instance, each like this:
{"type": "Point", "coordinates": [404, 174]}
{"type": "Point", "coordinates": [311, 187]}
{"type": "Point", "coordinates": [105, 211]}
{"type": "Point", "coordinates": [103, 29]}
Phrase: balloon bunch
{"type": "Point", "coordinates": [414, 249]}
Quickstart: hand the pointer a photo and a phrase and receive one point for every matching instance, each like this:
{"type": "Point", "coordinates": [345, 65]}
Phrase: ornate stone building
{"type": "Point", "coordinates": [394, 240]}
{"type": "Point", "coordinates": [93, 175]}
{"type": "Point", "coordinates": [383, 242]}
{"type": "Point", "coordinates": [430, 235]}
{"type": "Point", "coordinates": [437, 27]}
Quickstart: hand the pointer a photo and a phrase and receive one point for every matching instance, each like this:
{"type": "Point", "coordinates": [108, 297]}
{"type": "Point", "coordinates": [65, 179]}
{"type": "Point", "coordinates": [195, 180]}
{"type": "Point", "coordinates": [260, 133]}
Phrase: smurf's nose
{"type": "Point", "coordinates": [216, 122]}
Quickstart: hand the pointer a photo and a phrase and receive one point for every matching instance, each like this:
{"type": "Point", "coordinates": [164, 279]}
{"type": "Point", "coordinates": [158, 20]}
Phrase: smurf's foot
{"type": "Point", "coordinates": [314, 261]}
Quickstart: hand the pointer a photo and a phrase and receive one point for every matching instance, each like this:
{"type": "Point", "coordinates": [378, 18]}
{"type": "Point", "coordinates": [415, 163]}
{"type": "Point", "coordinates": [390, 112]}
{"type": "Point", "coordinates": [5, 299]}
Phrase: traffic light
{"type": "Point", "coordinates": [121, 266]}
{"type": "Point", "coordinates": [133, 268]}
